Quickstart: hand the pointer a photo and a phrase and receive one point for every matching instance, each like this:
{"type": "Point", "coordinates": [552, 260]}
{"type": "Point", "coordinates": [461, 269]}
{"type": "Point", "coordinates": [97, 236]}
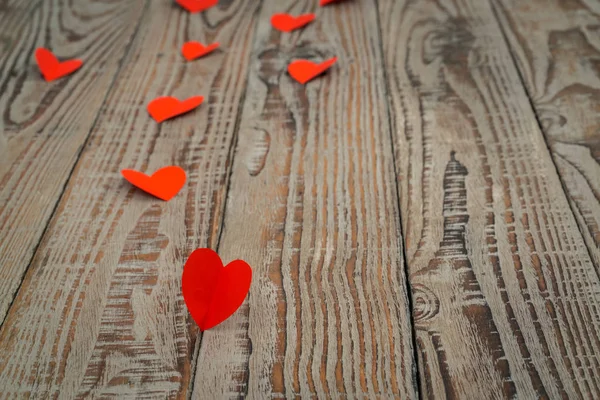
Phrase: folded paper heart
{"type": "Point", "coordinates": [53, 69]}
{"type": "Point", "coordinates": [193, 50]}
{"type": "Point", "coordinates": [211, 291]}
{"type": "Point", "coordinates": [287, 23]}
{"type": "Point", "coordinates": [164, 183]}
{"type": "Point", "coordinates": [195, 6]}
{"type": "Point", "coordinates": [163, 108]}
{"type": "Point", "coordinates": [304, 70]}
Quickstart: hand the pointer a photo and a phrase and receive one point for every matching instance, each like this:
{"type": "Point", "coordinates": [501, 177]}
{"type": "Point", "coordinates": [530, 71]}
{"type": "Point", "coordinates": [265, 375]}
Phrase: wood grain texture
{"type": "Point", "coordinates": [100, 312]}
{"type": "Point", "coordinates": [43, 125]}
{"type": "Point", "coordinates": [558, 54]}
{"type": "Point", "coordinates": [313, 208]}
{"type": "Point", "coordinates": [505, 294]}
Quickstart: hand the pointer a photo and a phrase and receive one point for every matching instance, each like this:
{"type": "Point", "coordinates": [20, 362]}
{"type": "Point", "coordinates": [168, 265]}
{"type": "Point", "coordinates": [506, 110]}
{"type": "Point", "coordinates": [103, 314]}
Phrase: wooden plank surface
{"type": "Point", "coordinates": [313, 208]}
{"type": "Point", "coordinates": [505, 294]}
{"type": "Point", "coordinates": [100, 312]}
{"type": "Point", "coordinates": [557, 48]}
{"type": "Point", "coordinates": [45, 124]}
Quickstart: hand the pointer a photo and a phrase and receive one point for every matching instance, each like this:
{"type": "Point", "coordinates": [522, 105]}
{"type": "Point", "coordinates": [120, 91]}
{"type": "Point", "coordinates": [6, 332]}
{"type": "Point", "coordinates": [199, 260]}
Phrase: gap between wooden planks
{"type": "Point", "coordinates": [505, 293]}
{"type": "Point", "coordinates": [69, 330]}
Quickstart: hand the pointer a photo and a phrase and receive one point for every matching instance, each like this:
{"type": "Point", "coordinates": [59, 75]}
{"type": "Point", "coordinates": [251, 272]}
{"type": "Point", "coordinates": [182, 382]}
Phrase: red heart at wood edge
{"type": "Point", "coordinates": [163, 108]}
{"type": "Point", "coordinates": [165, 183]}
{"type": "Point", "coordinates": [287, 23]}
{"type": "Point", "coordinates": [193, 50]}
{"type": "Point", "coordinates": [195, 6]}
{"type": "Point", "coordinates": [325, 2]}
{"type": "Point", "coordinates": [304, 70]}
{"type": "Point", "coordinates": [211, 291]}
{"type": "Point", "coordinates": [53, 69]}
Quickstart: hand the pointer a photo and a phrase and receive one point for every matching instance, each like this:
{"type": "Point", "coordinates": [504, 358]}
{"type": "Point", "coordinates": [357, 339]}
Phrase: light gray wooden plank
{"type": "Point", "coordinates": [313, 208]}
{"type": "Point", "coordinates": [505, 294]}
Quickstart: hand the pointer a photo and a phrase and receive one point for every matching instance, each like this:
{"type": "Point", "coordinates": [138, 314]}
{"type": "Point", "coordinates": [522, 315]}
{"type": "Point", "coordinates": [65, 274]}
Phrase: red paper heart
{"type": "Point", "coordinates": [193, 50]}
{"type": "Point", "coordinates": [304, 70]}
{"type": "Point", "coordinates": [51, 68]}
{"type": "Point", "coordinates": [164, 183]}
{"type": "Point", "coordinates": [287, 23]}
{"type": "Point", "coordinates": [163, 108]}
{"type": "Point", "coordinates": [325, 2]}
{"type": "Point", "coordinates": [195, 6]}
{"type": "Point", "coordinates": [211, 291]}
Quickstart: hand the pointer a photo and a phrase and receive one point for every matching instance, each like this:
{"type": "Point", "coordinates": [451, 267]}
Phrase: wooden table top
{"type": "Point", "coordinates": [423, 220]}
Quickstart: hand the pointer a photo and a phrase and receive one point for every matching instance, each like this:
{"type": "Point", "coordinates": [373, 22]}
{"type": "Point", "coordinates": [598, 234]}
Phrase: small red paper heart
{"type": "Point", "coordinates": [287, 23]}
{"type": "Point", "coordinates": [193, 50]}
{"type": "Point", "coordinates": [163, 108]}
{"type": "Point", "coordinates": [195, 6]}
{"type": "Point", "coordinates": [164, 183]}
{"type": "Point", "coordinates": [325, 2]}
{"type": "Point", "coordinates": [51, 68]}
{"type": "Point", "coordinates": [304, 70]}
{"type": "Point", "coordinates": [211, 291]}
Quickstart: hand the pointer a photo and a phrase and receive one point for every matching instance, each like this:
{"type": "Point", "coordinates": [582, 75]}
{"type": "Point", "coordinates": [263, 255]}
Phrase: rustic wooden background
{"type": "Point", "coordinates": [423, 221]}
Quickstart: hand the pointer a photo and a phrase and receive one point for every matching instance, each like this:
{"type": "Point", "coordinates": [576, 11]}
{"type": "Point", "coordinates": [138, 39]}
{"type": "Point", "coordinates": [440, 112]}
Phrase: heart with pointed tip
{"type": "Point", "coordinates": [195, 6]}
{"type": "Point", "coordinates": [53, 69]}
{"type": "Point", "coordinates": [165, 183]}
{"type": "Point", "coordinates": [163, 108]}
{"type": "Point", "coordinates": [287, 23]}
{"type": "Point", "coordinates": [304, 70]}
{"type": "Point", "coordinates": [213, 292]}
{"type": "Point", "coordinates": [194, 50]}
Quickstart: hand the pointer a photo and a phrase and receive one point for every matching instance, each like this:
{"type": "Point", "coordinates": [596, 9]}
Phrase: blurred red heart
{"type": "Point", "coordinates": [325, 2]}
{"type": "Point", "coordinates": [287, 23]}
{"type": "Point", "coordinates": [193, 50]}
{"type": "Point", "coordinates": [51, 68]}
{"type": "Point", "coordinates": [165, 183]}
{"type": "Point", "coordinates": [163, 108]}
{"type": "Point", "coordinates": [195, 6]}
{"type": "Point", "coordinates": [304, 70]}
{"type": "Point", "coordinates": [211, 291]}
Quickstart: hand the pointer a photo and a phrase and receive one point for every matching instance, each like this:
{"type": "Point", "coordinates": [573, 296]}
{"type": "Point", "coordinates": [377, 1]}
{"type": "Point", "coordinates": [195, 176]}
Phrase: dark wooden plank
{"type": "Point", "coordinates": [505, 294]}
{"type": "Point", "coordinates": [557, 48]}
{"type": "Point", "coordinates": [100, 312]}
{"type": "Point", "coordinates": [313, 208]}
{"type": "Point", "coordinates": [43, 125]}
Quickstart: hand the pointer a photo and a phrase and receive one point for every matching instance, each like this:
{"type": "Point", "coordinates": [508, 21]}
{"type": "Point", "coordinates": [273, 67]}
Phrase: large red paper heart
{"type": "Point", "coordinates": [163, 108]}
{"type": "Point", "coordinates": [164, 183]}
{"type": "Point", "coordinates": [287, 23]}
{"type": "Point", "coordinates": [193, 50]}
{"type": "Point", "coordinates": [53, 69]}
{"type": "Point", "coordinates": [195, 6]}
{"type": "Point", "coordinates": [211, 291]}
{"type": "Point", "coordinates": [304, 70]}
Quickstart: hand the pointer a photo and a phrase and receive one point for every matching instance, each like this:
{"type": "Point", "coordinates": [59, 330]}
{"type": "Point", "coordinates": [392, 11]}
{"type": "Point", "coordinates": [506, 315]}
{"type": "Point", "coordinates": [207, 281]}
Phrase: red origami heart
{"type": "Point", "coordinates": [194, 6]}
{"type": "Point", "coordinates": [164, 183]}
{"type": "Point", "coordinates": [287, 22]}
{"type": "Point", "coordinates": [213, 292]}
{"type": "Point", "coordinates": [304, 70]}
{"type": "Point", "coordinates": [193, 50]}
{"type": "Point", "coordinates": [163, 108]}
{"type": "Point", "coordinates": [51, 68]}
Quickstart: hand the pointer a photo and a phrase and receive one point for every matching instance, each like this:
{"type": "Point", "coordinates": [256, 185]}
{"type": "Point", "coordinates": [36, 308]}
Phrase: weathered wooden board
{"type": "Point", "coordinates": [313, 208]}
{"type": "Point", "coordinates": [45, 124]}
{"type": "Point", "coordinates": [557, 48]}
{"type": "Point", "coordinates": [100, 311]}
{"type": "Point", "coordinates": [505, 294]}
